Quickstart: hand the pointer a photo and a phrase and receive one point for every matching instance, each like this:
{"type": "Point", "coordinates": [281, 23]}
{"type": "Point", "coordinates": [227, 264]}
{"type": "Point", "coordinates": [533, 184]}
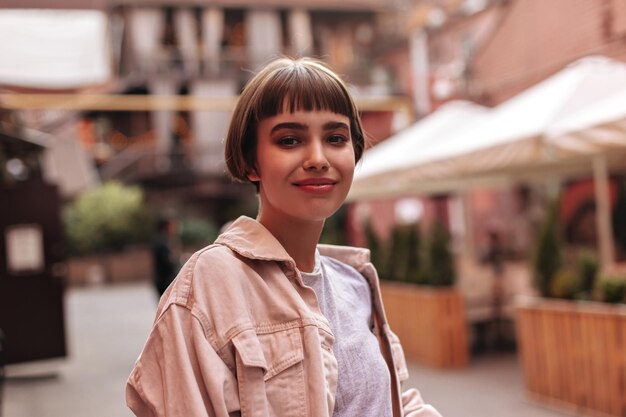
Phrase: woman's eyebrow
{"type": "Point", "coordinates": [289, 125]}
{"type": "Point", "coordinates": [335, 125]}
{"type": "Point", "coordinates": [301, 126]}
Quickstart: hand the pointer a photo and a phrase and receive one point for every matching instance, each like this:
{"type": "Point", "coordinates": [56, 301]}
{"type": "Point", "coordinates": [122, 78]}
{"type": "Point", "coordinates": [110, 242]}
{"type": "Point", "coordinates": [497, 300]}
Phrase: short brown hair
{"type": "Point", "coordinates": [286, 84]}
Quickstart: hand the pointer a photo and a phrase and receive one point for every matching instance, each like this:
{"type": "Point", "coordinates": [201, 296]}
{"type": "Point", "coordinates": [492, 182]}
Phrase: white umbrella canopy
{"type": "Point", "coordinates": [382, 163]}
{"type": "Point", "coordinates": [598, 129]}
{"type": "Point", "coordinates": [514, 142]}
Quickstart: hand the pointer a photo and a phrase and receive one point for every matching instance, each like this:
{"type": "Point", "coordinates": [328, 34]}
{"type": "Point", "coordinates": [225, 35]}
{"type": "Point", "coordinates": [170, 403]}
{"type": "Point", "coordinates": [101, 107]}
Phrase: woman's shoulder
{"type": "Point", "coordinates": [214, 252]}
{"type": "Point", "coordinates": [211, 277]}
{"type": "Point", "coordinates": [207, 269]}
{"type": "Point", "coordinates": [213, 261]}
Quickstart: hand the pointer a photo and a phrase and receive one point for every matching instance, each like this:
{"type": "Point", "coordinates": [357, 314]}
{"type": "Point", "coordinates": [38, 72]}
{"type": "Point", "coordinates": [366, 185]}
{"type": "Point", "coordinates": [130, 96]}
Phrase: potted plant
{"type": "Point", "coordinates": [571, 340]}
{"type": "Point", "coordinates": [613, 289]}
{"type": "Point", "coordinates": [421, 304]}
{"type": "Point", "coordinates": [107, 231]}
{"type": "Point", "coordinates": [377, 250]}
{"type": "Point", "coordinates": [587, 267]}
{"type": "Point", "coordinates": [548, 254]}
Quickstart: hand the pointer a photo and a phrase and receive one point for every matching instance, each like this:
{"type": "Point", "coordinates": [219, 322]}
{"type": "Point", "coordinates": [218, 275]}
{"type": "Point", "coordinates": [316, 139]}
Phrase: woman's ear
{"type": "Point", "coordinates": [253, 176]}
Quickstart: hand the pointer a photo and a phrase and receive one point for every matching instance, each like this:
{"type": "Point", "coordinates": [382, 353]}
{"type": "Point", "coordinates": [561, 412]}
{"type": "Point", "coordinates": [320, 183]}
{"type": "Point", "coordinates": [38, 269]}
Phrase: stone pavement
{"type": "Point", "coordinates": [107, 326]}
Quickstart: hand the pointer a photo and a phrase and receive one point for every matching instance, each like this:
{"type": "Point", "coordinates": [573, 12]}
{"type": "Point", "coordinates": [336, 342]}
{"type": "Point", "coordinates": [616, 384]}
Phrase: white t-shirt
{"type": "Point", "coordinates": [344, 297]}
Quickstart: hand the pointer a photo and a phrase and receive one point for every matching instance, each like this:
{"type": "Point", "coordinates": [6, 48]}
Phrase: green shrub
{"type": "Point", "coordinates": [109, 217]}
{"type": "Point", "coordinates": [587, 266]}
{"type": "Point", "coordinates": [441, 271]}
{"type": "Point", "coordinates": [613, 289]}
{"type": "Point", "coordinates": [334, 231]}
{"type": "Point", "coordinates": [404, 255]}
{"type": "Point", "coordinates": [565, 284]}
{"type": "Point", "coordinates": [548, 253]}
{"type": "Point", "coordinates": [414, 267]}
{"type": "Point", "coordinates": [377, 252]}
{"type": "Point", "coordinates": [396, 256]}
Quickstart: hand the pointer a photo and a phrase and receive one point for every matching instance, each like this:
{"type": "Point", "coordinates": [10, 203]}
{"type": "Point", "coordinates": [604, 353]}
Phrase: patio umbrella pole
{"type": "Point", "coordinates": [603, 212]}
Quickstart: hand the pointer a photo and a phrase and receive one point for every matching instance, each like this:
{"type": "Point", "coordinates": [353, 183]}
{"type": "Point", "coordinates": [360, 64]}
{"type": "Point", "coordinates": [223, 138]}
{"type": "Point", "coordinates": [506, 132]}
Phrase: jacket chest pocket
{"type": "Point", "coordinates": [270, 373]}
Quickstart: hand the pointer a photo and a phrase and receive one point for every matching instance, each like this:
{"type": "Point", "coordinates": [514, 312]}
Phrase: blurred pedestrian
{"type": "Point", "coordinates": [164, 254]}
{"type": "Point", "coordinates": [266, 322]}
{"type": "Point", "coordinates": [496, 255]}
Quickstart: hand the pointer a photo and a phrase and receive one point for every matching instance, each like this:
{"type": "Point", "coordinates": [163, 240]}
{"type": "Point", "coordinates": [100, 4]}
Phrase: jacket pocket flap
{"type": "Point", "coordinates": [284, 363]}
{"type": "Point", "coordinates": [250, 350]}
{"type": "Point", "coordinates": [273, 352]}
{"type": "Point", "coordinates": [282, 350]}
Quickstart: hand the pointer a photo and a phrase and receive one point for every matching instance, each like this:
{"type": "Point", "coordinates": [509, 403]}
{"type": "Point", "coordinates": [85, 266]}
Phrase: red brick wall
{"type": "Point", "coordinates": [537, 38]}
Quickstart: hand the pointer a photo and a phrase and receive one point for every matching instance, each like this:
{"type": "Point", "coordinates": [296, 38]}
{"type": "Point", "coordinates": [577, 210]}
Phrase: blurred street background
{"type": "Point", "coordinates": [492, 193]}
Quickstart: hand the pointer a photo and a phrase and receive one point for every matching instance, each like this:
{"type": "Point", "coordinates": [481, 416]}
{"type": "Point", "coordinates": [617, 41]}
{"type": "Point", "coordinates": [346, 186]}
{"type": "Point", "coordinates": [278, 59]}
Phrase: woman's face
{"type": "Point", "coordinates": [305, 164]}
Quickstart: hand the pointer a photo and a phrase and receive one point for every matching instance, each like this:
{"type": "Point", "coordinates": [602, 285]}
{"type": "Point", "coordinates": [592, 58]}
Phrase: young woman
{"type": "Point", "coordinates": [266, 322]}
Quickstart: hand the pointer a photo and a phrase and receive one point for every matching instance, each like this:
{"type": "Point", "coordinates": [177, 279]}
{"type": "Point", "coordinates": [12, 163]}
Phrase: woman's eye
{"type": "Point", "coordinates": [337, 139]}
{"type": "Point", "coordinates": [288, 141]}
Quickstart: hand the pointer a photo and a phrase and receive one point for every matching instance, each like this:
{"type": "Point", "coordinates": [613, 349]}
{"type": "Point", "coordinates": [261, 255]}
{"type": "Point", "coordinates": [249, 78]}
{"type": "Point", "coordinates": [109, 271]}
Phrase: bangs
{"type": "Point", "coordinates": [303, 89]}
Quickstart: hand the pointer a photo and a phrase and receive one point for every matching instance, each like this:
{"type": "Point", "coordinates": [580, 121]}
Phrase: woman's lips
{"type": "Point", "coordinates": [316, 185]}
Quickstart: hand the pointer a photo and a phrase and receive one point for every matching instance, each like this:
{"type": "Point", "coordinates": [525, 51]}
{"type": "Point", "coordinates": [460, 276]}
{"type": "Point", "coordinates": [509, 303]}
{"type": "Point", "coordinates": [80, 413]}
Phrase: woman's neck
{"type": "Point", "coordinates": [299, 238]}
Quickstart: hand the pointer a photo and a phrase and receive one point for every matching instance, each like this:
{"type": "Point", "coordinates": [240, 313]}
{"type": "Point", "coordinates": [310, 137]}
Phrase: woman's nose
{"type": "Point", "coordinates": [316, 158]}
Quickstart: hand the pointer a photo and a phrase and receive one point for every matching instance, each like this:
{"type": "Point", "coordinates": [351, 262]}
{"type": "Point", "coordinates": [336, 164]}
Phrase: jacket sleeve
{"type": "Point", "coordinates": [412, 403]}
{"type": "Point", "coordinates": [179, 373]}
{"type": "Point", "coordinates": [414, 406]}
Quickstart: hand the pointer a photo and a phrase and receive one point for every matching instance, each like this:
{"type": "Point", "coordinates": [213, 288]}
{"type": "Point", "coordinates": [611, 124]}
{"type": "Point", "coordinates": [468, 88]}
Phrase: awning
{"type": "Point", "coordinates": [377, 174]}
{"type": "Point", "coordinates": [598, 128]}
{"type": "Point", "coordinates": [522, 139]}
{"type": "Point", "coordinates": [54, 49]}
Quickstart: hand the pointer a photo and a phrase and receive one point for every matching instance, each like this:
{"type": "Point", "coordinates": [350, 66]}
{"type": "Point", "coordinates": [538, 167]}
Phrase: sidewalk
{"type": "Point", "coordinates": [491, 387]}
{"type": "Point", "coordinates": [108, 325]}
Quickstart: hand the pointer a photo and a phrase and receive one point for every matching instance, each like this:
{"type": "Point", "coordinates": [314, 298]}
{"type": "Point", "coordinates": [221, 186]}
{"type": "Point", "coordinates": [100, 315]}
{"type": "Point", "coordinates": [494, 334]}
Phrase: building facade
{"type": "Point", "coordinates": [203, 52]}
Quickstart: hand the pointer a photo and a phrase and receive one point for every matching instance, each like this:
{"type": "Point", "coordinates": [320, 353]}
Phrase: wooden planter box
{"type": "Point", "coordinates": [573, 355]}
{"type": "Point", "coordinates": [133, 264]}
{"type": "Point", "coordinates": [430, 323]}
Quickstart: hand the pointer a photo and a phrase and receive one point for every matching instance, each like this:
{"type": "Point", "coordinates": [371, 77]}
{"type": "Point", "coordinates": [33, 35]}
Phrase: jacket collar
{"type": "Point", "coordinates": [251, 239]}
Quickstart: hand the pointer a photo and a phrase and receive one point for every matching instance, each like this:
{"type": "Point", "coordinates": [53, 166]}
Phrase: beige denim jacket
{"type": "Point", "coordinates": [238, 333]}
